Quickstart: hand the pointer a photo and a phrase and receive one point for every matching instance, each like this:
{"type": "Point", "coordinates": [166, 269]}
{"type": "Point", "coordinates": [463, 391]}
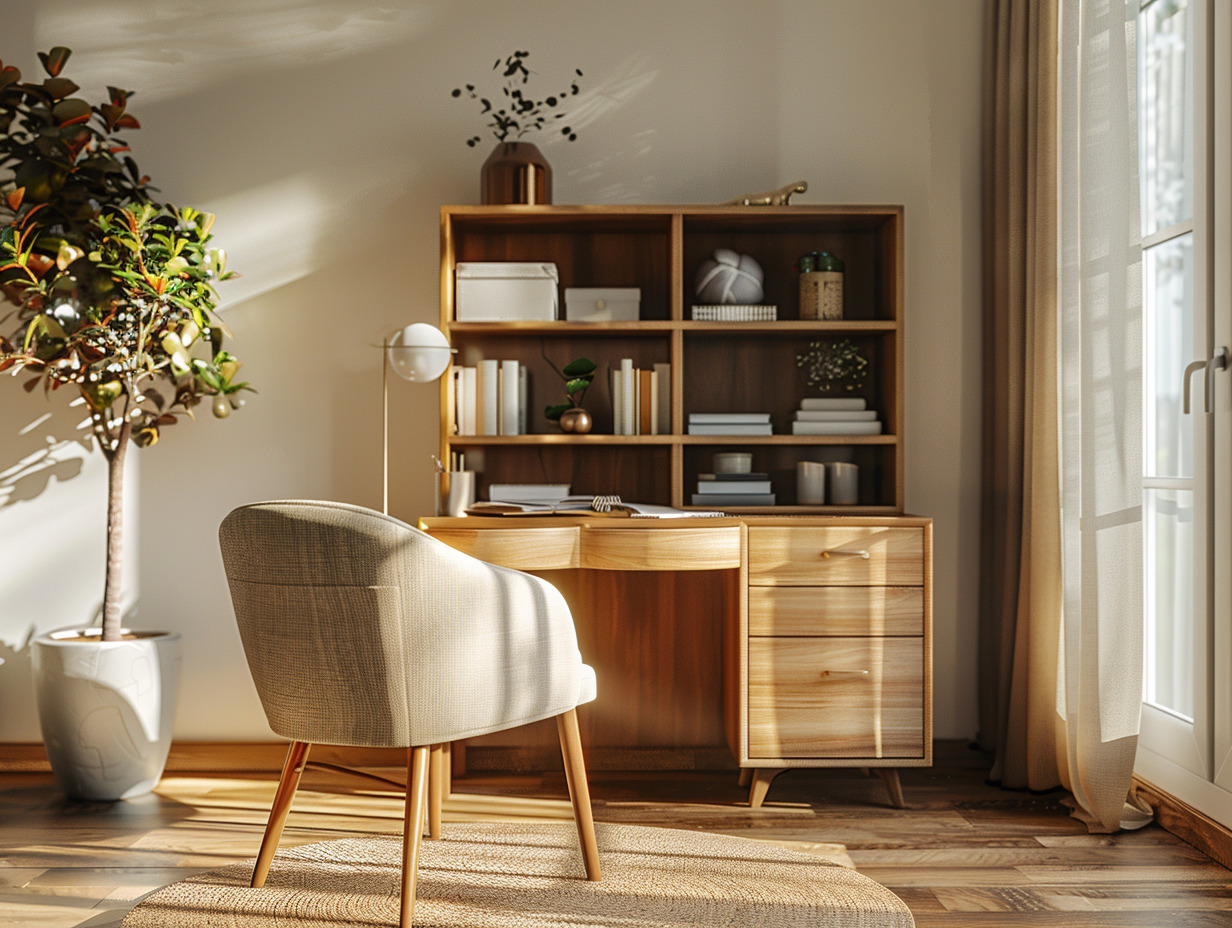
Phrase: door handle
{"type": "Point", "coordinates": [1217, 362]}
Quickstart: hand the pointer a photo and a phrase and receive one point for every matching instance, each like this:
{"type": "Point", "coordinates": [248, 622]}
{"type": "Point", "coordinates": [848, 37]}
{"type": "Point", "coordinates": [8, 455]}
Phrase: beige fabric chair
{"type": "Point", "coordinates": [361, 630]}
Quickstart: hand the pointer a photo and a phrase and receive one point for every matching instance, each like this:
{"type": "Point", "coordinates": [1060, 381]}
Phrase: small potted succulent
{"type": "Point", "coordinates": [577, 375]}
{"type": "Point", "coordinates": [516, 171]}
{"type": "Point", "coordinates": [112, 299]}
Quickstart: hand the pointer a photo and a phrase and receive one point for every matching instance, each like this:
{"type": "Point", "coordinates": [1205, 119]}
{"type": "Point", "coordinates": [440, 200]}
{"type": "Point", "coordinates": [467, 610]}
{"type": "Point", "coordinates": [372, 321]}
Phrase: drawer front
{"type": "Point", "coordinates": [836, 697]}
{"type": "Point", "coordinates": [545, 548]}
{"type": "Point", "coordinates": [836, 556]}
{"type": "Point", "coordinates": [836, 610]}
{"type": "Point", "coordinates": [661, 548]}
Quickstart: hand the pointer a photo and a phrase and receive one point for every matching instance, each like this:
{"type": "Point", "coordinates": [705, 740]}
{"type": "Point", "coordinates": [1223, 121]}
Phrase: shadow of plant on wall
{"type": "Point", "coordinates": [36, 459]}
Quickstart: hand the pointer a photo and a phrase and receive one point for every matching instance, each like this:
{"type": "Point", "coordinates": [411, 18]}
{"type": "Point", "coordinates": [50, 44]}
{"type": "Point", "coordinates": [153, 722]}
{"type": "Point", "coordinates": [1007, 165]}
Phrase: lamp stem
{"type": "Point", "coordinates": [385, 424]}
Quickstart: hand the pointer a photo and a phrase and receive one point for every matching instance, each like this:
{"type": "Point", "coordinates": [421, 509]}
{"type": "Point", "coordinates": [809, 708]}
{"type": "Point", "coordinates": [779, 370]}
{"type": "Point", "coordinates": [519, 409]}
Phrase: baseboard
{"type": "Point", "coordinates": [1187, 823]}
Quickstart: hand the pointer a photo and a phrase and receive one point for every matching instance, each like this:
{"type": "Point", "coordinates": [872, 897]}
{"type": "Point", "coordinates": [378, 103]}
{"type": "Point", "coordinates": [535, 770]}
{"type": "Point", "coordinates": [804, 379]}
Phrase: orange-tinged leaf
{"type": "Point", "coordinates": [127, 121]}
{"type": "Point", "coordinates": [53, 61]}
{"type": "Point", "coordinates": [15, 197]}
{"type": "Point", "coordinates": [60, 87]}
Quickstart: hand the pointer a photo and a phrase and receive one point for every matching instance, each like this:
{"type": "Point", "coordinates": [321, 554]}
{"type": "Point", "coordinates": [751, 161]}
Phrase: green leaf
{"type": "Point", "coordinates": [60, 87]}
{"type": "Point", "coordinates": [577, 386]}
{"type": "Point", "coordinates": [579, 367]}
{"type": "Point", "coordinates": [554, 412]}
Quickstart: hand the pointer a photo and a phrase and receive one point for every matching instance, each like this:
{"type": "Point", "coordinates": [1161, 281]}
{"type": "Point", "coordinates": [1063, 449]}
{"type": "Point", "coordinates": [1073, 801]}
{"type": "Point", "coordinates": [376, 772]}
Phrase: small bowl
{"type": "Point", "coordinates": [733, 462]}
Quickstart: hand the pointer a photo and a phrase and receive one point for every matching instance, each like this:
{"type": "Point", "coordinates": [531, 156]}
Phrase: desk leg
{"type": "Point", "coordinates": [889, 776]}
{"type": "Point", "coordinates": [762, 778]}
{"type": "Point", "coordinates": [746, 776]}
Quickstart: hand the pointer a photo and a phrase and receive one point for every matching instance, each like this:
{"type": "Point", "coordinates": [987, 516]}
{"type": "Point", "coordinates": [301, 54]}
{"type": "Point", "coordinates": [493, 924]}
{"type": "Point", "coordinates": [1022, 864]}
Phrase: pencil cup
{"type": "Point", "coordinates": [810, 483]}
{"type": "Point", "coordinates": [460, 493]}
{"type": "Point", "coordinates": [844, 483]}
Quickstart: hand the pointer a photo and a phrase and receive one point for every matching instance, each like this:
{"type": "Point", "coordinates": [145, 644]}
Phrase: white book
{"type": "Point", "coordinates": [744, 418]}
{"type": "Point", "coordinates": [663, 372]}
{"type": "Point", "coordinates": [458, 385]}
{"type": "Point", "coordinates": [836, 415]}
{"type": "Point", "coordinates": [508, 398]}
{"type": "Point", "coordinates": [488, 386]}
{"type": "Point", "coordinates": [470, 389]}
{"type": "Point", "coordinates": [836, 428]}
{"type": "Point", "coordinates": [731, 428]}
{"type": "Point", "coordinates": [617, 399]}
{"type": "Point", "coordinates": [523, 406]}
{"type": "Point", "coordinates": [733, 486]}
{"type": "Point", "coordinates": [628, 396]}
{"type": "Point", "coordinates": [833, 403]}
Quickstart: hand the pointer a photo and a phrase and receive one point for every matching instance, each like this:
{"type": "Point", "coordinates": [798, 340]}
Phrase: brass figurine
{"type": "Point", "coordinates": [780, 197]}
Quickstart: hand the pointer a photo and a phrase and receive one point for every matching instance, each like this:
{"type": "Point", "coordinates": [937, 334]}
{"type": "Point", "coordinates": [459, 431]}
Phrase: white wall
{"type": "Point", "coordinates": [323, 134]}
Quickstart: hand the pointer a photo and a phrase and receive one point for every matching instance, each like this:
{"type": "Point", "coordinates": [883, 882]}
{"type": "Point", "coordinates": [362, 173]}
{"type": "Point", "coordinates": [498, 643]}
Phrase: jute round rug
{"type": "Point", "coordinates": [499, 875]}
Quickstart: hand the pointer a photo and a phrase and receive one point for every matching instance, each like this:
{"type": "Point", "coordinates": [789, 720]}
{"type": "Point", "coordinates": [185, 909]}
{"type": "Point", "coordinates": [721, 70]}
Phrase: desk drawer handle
{"type": "Point", "coordinates": [826, 555]}
{"type": "Point", "coordinates": [843, 674]}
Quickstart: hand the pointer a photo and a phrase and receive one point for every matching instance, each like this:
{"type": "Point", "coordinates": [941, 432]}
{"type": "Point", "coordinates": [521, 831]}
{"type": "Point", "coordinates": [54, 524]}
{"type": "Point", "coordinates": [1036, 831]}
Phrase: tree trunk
{"type": "Point", "coordinates": [113, 581]}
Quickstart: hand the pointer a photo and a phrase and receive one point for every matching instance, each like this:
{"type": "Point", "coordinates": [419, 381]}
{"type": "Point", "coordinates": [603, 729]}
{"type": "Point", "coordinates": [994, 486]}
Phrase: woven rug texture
{"type": "Point", "coordinates": [500, 875]}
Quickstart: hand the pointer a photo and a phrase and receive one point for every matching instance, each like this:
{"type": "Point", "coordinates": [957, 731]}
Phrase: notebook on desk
{"type": "Point", "coordinates": [605, 505]}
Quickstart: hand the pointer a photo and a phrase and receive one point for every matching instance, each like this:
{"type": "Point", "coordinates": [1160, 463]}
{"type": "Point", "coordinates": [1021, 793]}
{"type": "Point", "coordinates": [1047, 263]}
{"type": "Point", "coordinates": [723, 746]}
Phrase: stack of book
{"type": "Point", "coordinates": [719, 491]}
{"type": "Point", "coordinates": [730, 423]}
{"type": "Point", "coordinates": [835, 416]}
{"type": "Point", "coordinates": [490, 398]}
{"type": "Point", "coordinates": [641, 399]}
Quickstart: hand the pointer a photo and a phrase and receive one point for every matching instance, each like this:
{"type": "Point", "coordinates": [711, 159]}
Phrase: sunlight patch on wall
{"type": "Point", "coordinates": [167, 49]}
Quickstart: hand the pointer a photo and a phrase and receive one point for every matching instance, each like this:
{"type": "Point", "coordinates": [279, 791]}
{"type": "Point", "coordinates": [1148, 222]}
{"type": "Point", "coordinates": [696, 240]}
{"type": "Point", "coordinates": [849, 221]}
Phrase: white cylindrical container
{"type": "Point", "coordinates": [844, 482]}
{"type": "Point", "coordinates": [810, 483]}
{"type": "Point", "coordinates": [733, 462]}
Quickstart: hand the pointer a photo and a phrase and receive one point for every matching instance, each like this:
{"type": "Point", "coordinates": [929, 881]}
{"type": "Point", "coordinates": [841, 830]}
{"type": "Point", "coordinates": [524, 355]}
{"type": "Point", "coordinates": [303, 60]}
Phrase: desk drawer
{"type": "Point", "coordinates": [655, 547]}
{"type": "Point", "coordinates": [541, 548]}
{"type": "Point", "coordinates": [836, 610]}
{"type": "Point", "coordinates": [836, 697]}
{"type": "Point", "coordinates": [836, 556]}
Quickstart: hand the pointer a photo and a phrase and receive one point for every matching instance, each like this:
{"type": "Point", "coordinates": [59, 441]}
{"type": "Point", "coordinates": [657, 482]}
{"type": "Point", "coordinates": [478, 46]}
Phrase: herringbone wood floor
{"type": "Point", "coordinates": [963, 854]}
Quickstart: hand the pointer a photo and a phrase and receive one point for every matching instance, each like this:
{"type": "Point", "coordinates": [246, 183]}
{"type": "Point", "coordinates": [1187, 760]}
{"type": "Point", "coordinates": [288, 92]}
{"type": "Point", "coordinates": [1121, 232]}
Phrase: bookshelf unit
{"type": "Point", "coordinates": [715, 366]}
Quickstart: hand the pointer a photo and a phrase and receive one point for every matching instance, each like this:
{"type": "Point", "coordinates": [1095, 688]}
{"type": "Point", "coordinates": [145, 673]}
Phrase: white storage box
{"type": "Point", "coordinates": [602, 304]}
{"type": "Point", "coordinates": [506, 291]}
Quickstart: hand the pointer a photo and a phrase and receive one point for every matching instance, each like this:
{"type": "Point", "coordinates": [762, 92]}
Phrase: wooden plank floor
{"type": "Point", "coordinates": [964, 854]}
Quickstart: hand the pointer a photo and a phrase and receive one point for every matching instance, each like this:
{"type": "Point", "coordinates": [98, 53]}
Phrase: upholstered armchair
{"type": "Point", "coordinates": [361, 630]}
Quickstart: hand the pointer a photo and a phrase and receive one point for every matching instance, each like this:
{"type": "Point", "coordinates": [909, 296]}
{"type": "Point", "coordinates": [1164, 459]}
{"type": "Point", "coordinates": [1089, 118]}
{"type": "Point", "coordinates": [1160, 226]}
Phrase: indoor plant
{"type": "Point", "coordinates": [113, 300]}
{"type": "Point", "coordinates": [577, 375]}
{"type": "Point", "coordinates": [516, 171]}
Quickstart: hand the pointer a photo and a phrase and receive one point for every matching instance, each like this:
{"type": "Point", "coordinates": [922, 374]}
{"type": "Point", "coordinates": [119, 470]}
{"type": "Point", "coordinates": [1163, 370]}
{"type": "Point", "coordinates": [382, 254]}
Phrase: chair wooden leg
{"type": "Point", "coordinates": [412, 828]}
{"type": "Point", "coordinates": [579, 790]}
{"type": "Point", "coordinates": [436, 789]}
{"type": "Point", "coordinates": [292, 769]}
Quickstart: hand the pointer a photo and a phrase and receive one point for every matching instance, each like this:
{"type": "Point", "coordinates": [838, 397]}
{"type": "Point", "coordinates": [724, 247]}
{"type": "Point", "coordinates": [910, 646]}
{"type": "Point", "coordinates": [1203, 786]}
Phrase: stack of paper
{"type": "Point", "coordinates": [730, 423]}
{"type": "Point", "coordinates": [725, 490]}
{"type": "Point", "coordinates": [835, 416]}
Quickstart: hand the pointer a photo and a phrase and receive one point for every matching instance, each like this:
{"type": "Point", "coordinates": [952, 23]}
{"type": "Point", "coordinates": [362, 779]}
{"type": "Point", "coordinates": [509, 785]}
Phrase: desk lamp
{"type": "Point", "coordinates": [419, 353]}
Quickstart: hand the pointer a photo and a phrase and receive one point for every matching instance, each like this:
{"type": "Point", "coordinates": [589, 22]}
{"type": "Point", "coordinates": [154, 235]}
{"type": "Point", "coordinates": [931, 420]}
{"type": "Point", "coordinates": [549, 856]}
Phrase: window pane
{"type": "Point", "coordinates": [1166, 124]}
{"type": "Point", "coordinates": [1168, 303]}
{"type": "Point", "coordinates": [1169, 600]}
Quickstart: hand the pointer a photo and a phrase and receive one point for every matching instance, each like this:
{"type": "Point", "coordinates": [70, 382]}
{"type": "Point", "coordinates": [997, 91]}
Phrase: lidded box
{"type": "Point", "coordinates": [603, 304]}
{"type": "Point", "coordinates": [506, 291]}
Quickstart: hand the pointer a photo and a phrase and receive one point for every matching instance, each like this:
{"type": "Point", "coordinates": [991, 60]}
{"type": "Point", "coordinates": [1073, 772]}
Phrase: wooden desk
{"type": "Point", "coordinates": [794, 641]}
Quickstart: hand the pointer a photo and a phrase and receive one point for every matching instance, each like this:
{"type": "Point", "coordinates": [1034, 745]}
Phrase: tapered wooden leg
{"type": "Point", "coordinates": [579, 791]}
{"type": "Point", "coordinates": [292, 769]}
{"type": "Point", "coordinates": [889, 776]}
{"type": "Point", "coordinates": [746, 776]}
{"type": "Point", "coordinates": [447, 766]}
{"type": "Point", "coordinates": [762, 778]}
{"type": "Point", "coordinates": [436, 789]}
{"type": "Point", "coordinates": [412, 828]}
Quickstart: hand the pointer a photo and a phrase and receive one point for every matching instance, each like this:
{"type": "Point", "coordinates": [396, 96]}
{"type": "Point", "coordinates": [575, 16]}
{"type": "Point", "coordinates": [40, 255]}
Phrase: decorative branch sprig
{"type": "Point", "coordinates": [520, 114]}
{"type": "Point", "coordinates": [833, 364]}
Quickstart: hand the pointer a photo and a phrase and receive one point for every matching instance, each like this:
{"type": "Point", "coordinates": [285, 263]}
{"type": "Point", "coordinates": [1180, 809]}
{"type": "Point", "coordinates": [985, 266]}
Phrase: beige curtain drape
{"type": "Point", "coordinates": [1059, 673]}
{"type": "Point", "coordinates": [1020, 587]}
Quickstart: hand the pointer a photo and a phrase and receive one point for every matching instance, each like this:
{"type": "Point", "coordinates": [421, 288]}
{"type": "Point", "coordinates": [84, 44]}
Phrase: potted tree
{"type": "Point", "coordinates": [113, 301]}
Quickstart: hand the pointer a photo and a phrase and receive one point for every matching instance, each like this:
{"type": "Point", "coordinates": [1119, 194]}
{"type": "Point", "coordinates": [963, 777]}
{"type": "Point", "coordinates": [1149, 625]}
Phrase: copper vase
{"type": "Point", "coordinates": [515, 172]}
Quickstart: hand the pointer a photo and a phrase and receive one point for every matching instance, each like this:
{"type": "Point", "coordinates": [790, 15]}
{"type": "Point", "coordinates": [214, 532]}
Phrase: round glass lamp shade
{"type": "Point", "coordinates": [420, 352]}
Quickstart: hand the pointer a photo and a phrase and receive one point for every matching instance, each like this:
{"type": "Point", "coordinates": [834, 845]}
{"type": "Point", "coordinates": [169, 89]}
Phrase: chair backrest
{"type": "Point", "coordinates": [362, 630]}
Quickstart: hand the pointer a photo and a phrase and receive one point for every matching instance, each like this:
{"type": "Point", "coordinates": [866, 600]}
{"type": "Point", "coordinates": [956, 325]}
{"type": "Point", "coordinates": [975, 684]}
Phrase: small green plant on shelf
{"type": "Point", "coordinates": [833, 365]}
{"type": "Point", "coordinates": [577, 375]}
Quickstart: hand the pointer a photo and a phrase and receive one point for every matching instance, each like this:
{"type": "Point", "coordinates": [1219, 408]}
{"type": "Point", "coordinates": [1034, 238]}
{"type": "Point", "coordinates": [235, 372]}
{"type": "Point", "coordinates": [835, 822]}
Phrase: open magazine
{"type": "Point", "coordinates": [608, 505]}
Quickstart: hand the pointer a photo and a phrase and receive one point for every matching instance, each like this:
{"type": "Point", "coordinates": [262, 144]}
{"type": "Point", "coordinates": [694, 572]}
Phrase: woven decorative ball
{"type": "Point", "coordinates": [729, 277]}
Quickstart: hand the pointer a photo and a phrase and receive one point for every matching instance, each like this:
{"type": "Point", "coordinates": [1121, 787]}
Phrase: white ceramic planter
{"type": "Point", "coordinates": [106, 709]}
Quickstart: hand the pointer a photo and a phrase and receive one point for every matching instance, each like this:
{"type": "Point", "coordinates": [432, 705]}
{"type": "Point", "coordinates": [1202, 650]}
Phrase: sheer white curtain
{"type": "Point", "coordinates": [1099, 690]}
